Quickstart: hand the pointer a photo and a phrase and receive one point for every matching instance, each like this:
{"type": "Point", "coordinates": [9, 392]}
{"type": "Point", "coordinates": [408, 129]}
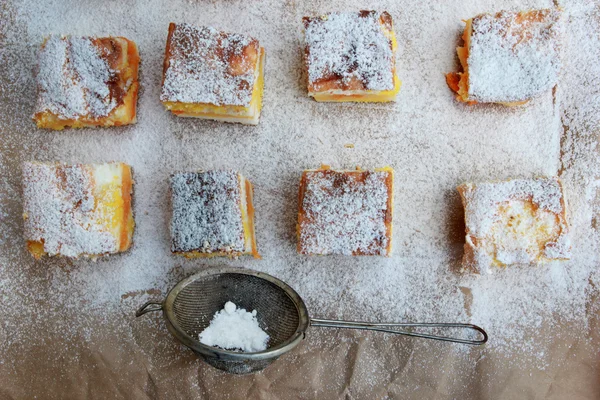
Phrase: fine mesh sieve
{"type": "Point", "coordinates": [191, 304]}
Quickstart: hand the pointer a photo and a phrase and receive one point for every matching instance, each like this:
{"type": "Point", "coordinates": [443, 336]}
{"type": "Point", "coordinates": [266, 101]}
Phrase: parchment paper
{"type": "Point", "coordinates": [67, 328]}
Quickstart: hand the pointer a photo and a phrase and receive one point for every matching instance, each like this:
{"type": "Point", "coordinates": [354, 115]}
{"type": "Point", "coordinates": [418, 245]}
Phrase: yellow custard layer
{"type": "Point", "coordinates": [524, 226]}
{"type": "Point", "coordinates": [360, 96]}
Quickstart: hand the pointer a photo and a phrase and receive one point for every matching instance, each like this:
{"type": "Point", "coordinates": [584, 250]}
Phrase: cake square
{"type": "Point", "coordinates": [345, 212]}
{"type": "Point", "coordinates": [213, 214]}
{"type": "Point", "coordinates": [86, 82]}
{"type": "Point", "coordinates": [77, 210]}
{"type": "Point", "coordinates": [509, 57]}
{"type": "Point", "coordinates": [211, 74]}
{"type": "Point", "coordinates": [351, 56]}
{"type": "Point", "coordinates": [520, 221]}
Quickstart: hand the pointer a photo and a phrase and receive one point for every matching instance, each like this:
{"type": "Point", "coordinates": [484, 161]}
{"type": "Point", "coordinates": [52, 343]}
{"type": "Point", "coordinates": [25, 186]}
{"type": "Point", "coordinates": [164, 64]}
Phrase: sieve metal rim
{"type": "Point", "coordinates": [210, 351]}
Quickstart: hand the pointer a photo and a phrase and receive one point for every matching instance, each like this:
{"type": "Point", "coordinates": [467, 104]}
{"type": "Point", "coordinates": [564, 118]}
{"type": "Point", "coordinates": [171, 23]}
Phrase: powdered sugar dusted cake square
{"type": "Point", "coordinates": [351, 56]}
{"type": "Point", "coordinates": [520, 221]}
{"type": "Point", "coordinates": [77, 210]}
{"type": "Point", "coordinates": [86, 81]}
{"type": "Point", "coordinates": [212, 74]}
{"type": "Point", "coordinates": [345, 212]}
{"type": "Point", "coordinates": [509, 57]}
{"type": "Point", "coordinates": [212, 214]}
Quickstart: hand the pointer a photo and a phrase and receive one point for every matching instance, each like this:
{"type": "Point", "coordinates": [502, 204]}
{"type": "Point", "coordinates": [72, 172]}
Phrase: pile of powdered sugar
{"type": "Point", "coordinates": [235, 328]}
{"type": "Point", "coordinates": [433, 144]}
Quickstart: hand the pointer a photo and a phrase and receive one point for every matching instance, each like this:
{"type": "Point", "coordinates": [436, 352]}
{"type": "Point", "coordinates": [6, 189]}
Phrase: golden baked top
{"type": "Point", "coordinates": [350, 51]}
{"type": "Point", "coordinates": [80, 77]}
{"type": "Point", "coordinates": [204, 65]}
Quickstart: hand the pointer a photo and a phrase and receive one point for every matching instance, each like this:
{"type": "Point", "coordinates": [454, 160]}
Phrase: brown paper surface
{"type": "Point", "coordinates": [67, 328]}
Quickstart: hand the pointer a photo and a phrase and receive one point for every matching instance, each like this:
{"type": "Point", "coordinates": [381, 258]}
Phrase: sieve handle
{"type": "Point", "coordinates": [146, 308]}
{"type": "Point", "coordinates": [386, 327]}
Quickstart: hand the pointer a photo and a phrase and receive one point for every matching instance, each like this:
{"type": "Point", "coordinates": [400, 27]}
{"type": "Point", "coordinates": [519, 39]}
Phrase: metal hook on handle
{"type": "Point", "coordinates": [146, 308]}
{"type": "Point", "coordinates": [384, 327]}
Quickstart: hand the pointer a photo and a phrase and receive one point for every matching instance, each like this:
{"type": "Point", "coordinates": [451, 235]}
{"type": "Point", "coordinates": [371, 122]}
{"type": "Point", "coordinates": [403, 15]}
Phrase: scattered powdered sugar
{"type": "Point", "coordinates": [235, 328]}
{"type": "Point", "coordinates": [542, 321]}
{"type": "Point", "coordinates": [203, 66]}
{"type": "Point", "coordinates": [60, 212]}
{"type": "Point", "coordinates": [73, 79]}
{"type": "Point", "coordinates": [348, 46]}
{"type": "Point", "coordinates": [344, 213]}
{"type": "Point", "coordinates": [206, 212]}
{"type": "Point", "coordinates": [514, 60]}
